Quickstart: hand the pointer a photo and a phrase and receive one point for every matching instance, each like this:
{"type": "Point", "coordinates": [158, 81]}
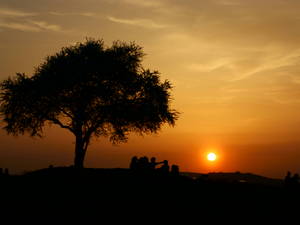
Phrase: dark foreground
{"type": "Point", "coordinates": [120, 196]}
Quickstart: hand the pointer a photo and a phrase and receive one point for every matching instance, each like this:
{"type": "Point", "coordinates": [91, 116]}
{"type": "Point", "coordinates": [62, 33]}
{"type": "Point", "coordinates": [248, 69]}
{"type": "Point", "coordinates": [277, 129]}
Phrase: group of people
{"type": "Point", "coordinates": [144, 164]}
{"type": "Point", "coordinates": [291, 181]}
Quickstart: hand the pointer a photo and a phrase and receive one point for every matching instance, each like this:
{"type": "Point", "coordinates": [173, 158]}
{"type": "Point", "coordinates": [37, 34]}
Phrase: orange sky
{"type": "Point", "coordinates": [235, 66]}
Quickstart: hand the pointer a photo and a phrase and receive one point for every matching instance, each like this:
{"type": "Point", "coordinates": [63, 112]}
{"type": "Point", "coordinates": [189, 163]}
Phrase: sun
{"type": "Point", "coordinates": [211, 156]}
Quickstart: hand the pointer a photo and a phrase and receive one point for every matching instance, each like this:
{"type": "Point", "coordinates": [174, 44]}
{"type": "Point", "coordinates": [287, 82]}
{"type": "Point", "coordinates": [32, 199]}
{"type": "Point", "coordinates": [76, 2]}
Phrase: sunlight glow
{"type": "Point", "coordinates": [211, 156]}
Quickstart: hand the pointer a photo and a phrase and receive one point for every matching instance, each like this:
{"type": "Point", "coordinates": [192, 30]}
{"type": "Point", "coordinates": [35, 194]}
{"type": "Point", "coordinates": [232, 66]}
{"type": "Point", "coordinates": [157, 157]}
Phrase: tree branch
{"type": "Point", "coordinates": [57, 122]}
{"type": "Point", "coordinates": [66, 113]}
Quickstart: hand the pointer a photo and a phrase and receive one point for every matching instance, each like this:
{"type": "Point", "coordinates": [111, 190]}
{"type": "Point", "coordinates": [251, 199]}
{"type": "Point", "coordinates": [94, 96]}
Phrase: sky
{"type": "Point", "coordinates": [234, 65]}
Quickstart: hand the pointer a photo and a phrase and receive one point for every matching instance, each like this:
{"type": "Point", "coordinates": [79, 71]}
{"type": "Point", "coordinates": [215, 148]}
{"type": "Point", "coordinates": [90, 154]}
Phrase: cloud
{"type": "Point", "coordinates": [15, 13]}
{"type": "Point", "coordinates": [85, 14]}
{"type": "Point", "coordinates": [31, 26]}
{"type": "Point", "coordinates": [229, 2]}
{"type": "Point", "coordinates": [144, 3]}
{"type": "Point", "coordinates": [19, 26]}
{"type": "Point", "coordinates": [271, 63]}
{"type": "Point", "coordinates": [42, 25]}
{"type": "Point", "coordinates": [22, 21]}
{"type": "Point", "coordinates": [137, 22]}
{"type": "Point", "coordinates": [209, 66]}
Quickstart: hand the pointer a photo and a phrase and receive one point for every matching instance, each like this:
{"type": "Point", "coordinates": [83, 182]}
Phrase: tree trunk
{"type": "Point", "coordinates": [79, 152]}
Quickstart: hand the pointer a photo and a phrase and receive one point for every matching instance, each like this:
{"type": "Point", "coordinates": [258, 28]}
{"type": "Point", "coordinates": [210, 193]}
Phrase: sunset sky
{"type": "Point", "coordinates": [234, 64]}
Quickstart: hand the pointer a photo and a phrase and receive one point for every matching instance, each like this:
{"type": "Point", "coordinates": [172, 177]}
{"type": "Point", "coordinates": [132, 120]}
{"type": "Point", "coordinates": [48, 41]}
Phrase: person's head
{"type": "Point", "coordinates": [146, 159]}
{"type": "Point", "coordinates": [134, 159]}
{"type": "Point", "coordinates": [166, 162]}
{"type": "Point", "coordinates": [153, 159]}
{"type": "Point", "coordinates": [175, 168]}
{"type": "Point", "coordinates": [288, 174]}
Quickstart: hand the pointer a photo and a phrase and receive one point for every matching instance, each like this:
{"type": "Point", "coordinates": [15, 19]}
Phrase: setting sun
{"type": "Point", "coordinates": [211, 156]}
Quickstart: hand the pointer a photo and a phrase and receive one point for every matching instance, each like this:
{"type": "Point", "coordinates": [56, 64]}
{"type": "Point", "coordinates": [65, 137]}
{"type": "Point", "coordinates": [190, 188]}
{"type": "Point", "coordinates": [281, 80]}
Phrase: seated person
{"type": "Point", "coordinates": [134, 163]}
{"type": "Point", "coordinates": [153, 163]}
{"type": "Point", "coordinates": [165, 167]}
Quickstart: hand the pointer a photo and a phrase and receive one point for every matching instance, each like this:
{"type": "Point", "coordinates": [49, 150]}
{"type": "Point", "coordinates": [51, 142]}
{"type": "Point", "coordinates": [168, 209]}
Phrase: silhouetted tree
{"type": "Point", "coordinates": [91, 90]}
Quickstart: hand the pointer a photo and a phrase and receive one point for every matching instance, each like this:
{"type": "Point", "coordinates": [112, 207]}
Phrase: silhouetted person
{"type": "Point", "coordinates": [288, 179]}
{"type": "Point", "coordinates": [134, 163]}
{"type": "Point", "coordinates": [6, 172]}
{"type": "Point", "coordinates": [143, 163]}
{"type": "Point", "coordinates": [164, 169]}
{"type": "Point", "coordinates": [153, 163]}
{"type": "Point", "coordinates": [175, 170]}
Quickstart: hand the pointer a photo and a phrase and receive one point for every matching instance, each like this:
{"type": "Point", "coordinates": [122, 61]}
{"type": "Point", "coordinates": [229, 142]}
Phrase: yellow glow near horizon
{"type": "Point", "coordinates": [211, 156]}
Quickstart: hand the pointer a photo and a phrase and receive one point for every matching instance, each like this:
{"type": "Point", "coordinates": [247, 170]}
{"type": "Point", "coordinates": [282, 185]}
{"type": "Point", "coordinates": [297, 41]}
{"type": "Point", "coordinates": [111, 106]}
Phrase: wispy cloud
{"type": "Point", "coordinates": [209, 66]}
{"type": "Point", "coordinates": [15, 13]}
{"type": "Point", "coordinates": [24, 21]}
{"type": "Point", "coordinates": [42, 25]}
{"type": "Point", "coordinates": [144, 3]}
{"type": "Point", "coordinates": [272, 63]}
{"type": "Point", "coordinates": [85, 14]}
{"type": "Point", "coordinates": [19, 26]}
{"type": "Point", "coordinates": [31, 26]}
{"type": "Point", "coordinates": [137, 22]}
{"type": "Point", "coordinates": [229, 2]}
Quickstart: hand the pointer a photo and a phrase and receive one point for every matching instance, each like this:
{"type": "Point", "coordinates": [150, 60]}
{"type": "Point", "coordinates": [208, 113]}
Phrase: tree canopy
{"type": "Point", "coordinates": [91, 90]}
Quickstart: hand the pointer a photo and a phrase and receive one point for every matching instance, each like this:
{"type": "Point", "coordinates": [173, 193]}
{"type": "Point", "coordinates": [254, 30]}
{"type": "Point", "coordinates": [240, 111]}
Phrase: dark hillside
{"type": "Point", "coordinates": [121, 194]}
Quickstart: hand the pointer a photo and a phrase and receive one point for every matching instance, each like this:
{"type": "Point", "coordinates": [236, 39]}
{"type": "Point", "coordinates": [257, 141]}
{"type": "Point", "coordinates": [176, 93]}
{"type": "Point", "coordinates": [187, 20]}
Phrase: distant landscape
{"type": "Point", "coordinates": [237, 177]}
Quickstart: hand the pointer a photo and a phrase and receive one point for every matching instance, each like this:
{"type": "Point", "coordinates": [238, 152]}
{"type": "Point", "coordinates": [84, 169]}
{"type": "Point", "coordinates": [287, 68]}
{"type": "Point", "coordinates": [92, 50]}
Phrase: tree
{"type": "Point", "coordinates": [92, 91]}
